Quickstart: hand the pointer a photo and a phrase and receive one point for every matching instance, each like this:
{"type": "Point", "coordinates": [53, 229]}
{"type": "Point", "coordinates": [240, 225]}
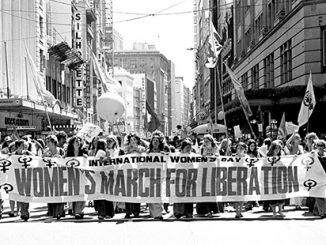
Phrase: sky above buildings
{"type": "Point", "coordinates": [170, 30]}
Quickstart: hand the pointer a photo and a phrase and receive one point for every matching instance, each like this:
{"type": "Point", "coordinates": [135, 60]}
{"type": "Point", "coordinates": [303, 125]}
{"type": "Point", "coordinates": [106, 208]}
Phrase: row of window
{"type": "Point", "coordinates": [269, 68]}
{"type": "Point", "coordinates": [59, 90]}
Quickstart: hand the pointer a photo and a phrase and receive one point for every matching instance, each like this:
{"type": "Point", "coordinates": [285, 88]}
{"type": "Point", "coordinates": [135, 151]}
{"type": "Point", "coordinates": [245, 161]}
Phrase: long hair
{"type": "Point", "coordinates": [101, 145]}
{"type": "Point", "coordinates": [115, 140]}
{"type": "Point", "coordinates": [271, 149]}
{"type": "Point", "coordinates": [249, 151]}
{"type": "Point", "coordinates": [161, 145]}
{"type": "Point", "coordinates": [211, 139]}
{"type": "Point", "coordinates": [71, 149]}
{"type": "Point", "coordinates": [133, 135]}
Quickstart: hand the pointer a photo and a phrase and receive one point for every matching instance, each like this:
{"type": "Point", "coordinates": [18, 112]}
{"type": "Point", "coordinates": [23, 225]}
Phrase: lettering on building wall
{"type": "Point", "coordinates": [78, 44]}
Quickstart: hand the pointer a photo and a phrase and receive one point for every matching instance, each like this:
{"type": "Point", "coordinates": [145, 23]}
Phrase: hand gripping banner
{"type": "Point", "coordinates": [154, 178]}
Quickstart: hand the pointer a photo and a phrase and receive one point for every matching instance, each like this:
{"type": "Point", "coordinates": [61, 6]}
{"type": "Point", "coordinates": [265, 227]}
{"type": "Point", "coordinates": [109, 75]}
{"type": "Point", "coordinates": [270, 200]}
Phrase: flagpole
{"type": "Point", "coordinates": [308, 122]}
{"type": "Point", "coordinates": [221, 98]}
{"type": "Point", "coordinates": [7, 76]}
{"type": "Point", "coordinates": [27, 93]}
{"type": "Point", "coordinates": [252, 131]}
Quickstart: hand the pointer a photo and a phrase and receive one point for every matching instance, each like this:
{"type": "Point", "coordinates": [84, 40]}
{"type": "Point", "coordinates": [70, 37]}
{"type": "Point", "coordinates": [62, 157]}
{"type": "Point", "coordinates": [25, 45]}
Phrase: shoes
{"type": "Point", "coordinates": [189, 216]}
{"type": "Point", "coordinates": [178, 216]}
{"type": "Point", "coordinates": [79, 216]}
{"type": "Point", "coordinates": [12, 214]}
{"type": "Point", "coordinates": [136, 215]}
{"type": "Point", "coordinates": [282, 215]}
{"type": "Point", "coordinates": [24, 217]}
{"type": "Point", "coordinates": [158, 218]}
{"type": "Point", "coordinates": [100, 217]}
{"type": "Point", "coordinates": [58, 217]}
{"type": "Point", "coordinates": [127, 216]}
{"type": "Point", "coordinates": [323, 216]}
{"type": "Point", "coordinates": [237, 216]}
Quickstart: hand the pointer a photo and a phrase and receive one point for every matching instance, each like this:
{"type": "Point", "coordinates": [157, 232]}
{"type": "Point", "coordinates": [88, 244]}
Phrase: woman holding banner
{"type": "Point", "coordinates": [157, 146]}
{"type": "Point", "coordinates": [293, 147]}
{"type": "Point", "coordinates": [321, 202]}
{"type": "Point", "coordinates": [209, 148]}
{"type": "Point", "coordinates": [57, 210]}
{"type": "Point", "coordinates": [75, 149]}
{"type": "Point", "coordinates": [133, 147]}
{"type": "Point", "coordinates": [274, 151]}
{"type": "Point", "coordinates": [184, 209]}
{"type": "Point", "coordinates": [241, 149]}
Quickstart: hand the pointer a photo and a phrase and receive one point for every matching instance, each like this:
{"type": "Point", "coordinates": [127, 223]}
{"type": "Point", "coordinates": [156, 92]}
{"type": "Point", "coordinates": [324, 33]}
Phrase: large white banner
{"type": "Point", "coordinates": [156, 178]}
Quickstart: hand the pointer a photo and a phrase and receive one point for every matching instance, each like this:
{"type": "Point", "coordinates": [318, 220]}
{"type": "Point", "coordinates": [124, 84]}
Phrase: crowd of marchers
{"type": "Point", "coordinates": [107, 146]}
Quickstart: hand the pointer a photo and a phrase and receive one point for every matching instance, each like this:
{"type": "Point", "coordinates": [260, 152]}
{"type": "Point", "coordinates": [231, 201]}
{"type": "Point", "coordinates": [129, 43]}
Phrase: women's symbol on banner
{"type": "Point", "coordinates": [6, 187]}
{"type": "Point", "coordinates": [25, 160]}
{"type": "Point", "coordinates": [4, 164]}
{"type": "Point", "coordinates": [251, 161]}
{"type": "Point", "coordinates": [49, 162]}
{"type": "Point", "coordinates": [273, 160]}
{"type": "Point", "coordinates": [308, 161]}
{"type": "Point", "coordinates": [310, 184]}
{"type": "Point", "coordinates": [73, 163]}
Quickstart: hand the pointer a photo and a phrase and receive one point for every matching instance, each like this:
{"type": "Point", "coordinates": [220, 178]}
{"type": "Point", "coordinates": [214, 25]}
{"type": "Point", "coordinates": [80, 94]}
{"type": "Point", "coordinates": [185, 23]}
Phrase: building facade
{"type": "Point", "coordinates": [25, 26]}
{"type": "Point", "coordinates": [276, 46]}
{"type": "Point", "coordinates": [156, 66]}
{"type": "Point", "coordinates": [127, 93]}
{"type": "Point", "coordinates": [140, 84]}
{"type": "Point", "coordinates": [271, 46]}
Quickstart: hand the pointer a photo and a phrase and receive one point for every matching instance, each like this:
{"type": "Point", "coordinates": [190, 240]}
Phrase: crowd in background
{"type": "Point", "coordinates": [105, 146]}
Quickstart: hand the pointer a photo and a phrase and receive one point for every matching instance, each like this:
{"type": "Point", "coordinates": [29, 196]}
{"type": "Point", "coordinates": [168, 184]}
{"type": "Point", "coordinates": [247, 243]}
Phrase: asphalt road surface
{"type": "Point", "coordinates": [256, 227]}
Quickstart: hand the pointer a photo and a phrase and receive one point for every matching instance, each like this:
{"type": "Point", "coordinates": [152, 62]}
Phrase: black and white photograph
{"type": "Point", "coordinates": [182, 122]}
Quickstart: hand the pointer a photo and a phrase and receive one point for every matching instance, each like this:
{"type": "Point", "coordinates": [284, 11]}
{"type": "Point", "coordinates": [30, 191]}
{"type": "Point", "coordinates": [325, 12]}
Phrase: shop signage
{"type": "Point", "coordinates": [10, 102]}
{"type": "Point", "coordinates": [16, 121]}
{"type": "Point", "coordinates": [88, 86]}
{"type": "Point", "coordinates": [78, 44]}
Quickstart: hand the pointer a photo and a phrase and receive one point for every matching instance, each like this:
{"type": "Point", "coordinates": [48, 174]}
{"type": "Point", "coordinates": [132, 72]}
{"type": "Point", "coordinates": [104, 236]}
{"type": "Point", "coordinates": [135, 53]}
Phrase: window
{"type": "Point", "coordinates": [244, 81]}
{"type": "Point", "coordinates": [41, 27]}
{"type": "Point", "coordinates": [42, 60]}
{"type": "Point", "coordinates": [286, 62]}
{"type": "Point", "coordinates": [324, 46]}
{"type": "Point", "coordinates": [255, 77]}
{"type": "Point", "coordinates": [68, 95]}
{"type": "Point", "coordinates": [258, 26]}
{"type": "Point", "coordinates": [269, 71]}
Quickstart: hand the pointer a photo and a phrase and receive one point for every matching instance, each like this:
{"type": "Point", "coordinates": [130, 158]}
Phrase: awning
{"type": "Point", "coordinates": [66, 55]}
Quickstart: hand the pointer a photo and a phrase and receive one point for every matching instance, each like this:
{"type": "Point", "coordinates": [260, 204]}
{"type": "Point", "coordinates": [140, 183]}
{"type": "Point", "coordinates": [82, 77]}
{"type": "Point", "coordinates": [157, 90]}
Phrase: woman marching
{"type": "Point", "coordinates": [184, 209]}
{"type": "Point", "coordinates": [241, 149]}
{"type": "Point", "coordinates": [157, 146]}
{"type": "Point", "coordinates": [57, 210]}
{"type": "Point", "coordinates": [209, 148]}
{"type": "Point", "coordinates": [107, 148]}
{"type": "Point", "coordinates": [75, 149]}
{"type": "Point", "coordinates": [275, 150]}
{"type": "Point", "coordinates": [133, 147]}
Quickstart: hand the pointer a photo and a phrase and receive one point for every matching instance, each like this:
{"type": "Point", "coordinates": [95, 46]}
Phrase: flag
{"type": "Point", "coordinates": [282, 132]}
{"type": "Point", "coordinates": [239, 92]}
{"type": "Point", "coordinates": [105, 79]}
{"type": "Point", "coordinates": [308, 104]}
{"type": "Point", "coordinates": [154, 122]}
{"type": "Point", "coordinates": [46, 96]}
{"type": "Point", "coordinates": [214, 46]}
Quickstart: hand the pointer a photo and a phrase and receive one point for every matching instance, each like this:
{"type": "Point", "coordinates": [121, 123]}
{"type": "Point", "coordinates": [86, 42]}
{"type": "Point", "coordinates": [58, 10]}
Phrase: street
{"type": "Point", "coordinates": [298, 227]}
